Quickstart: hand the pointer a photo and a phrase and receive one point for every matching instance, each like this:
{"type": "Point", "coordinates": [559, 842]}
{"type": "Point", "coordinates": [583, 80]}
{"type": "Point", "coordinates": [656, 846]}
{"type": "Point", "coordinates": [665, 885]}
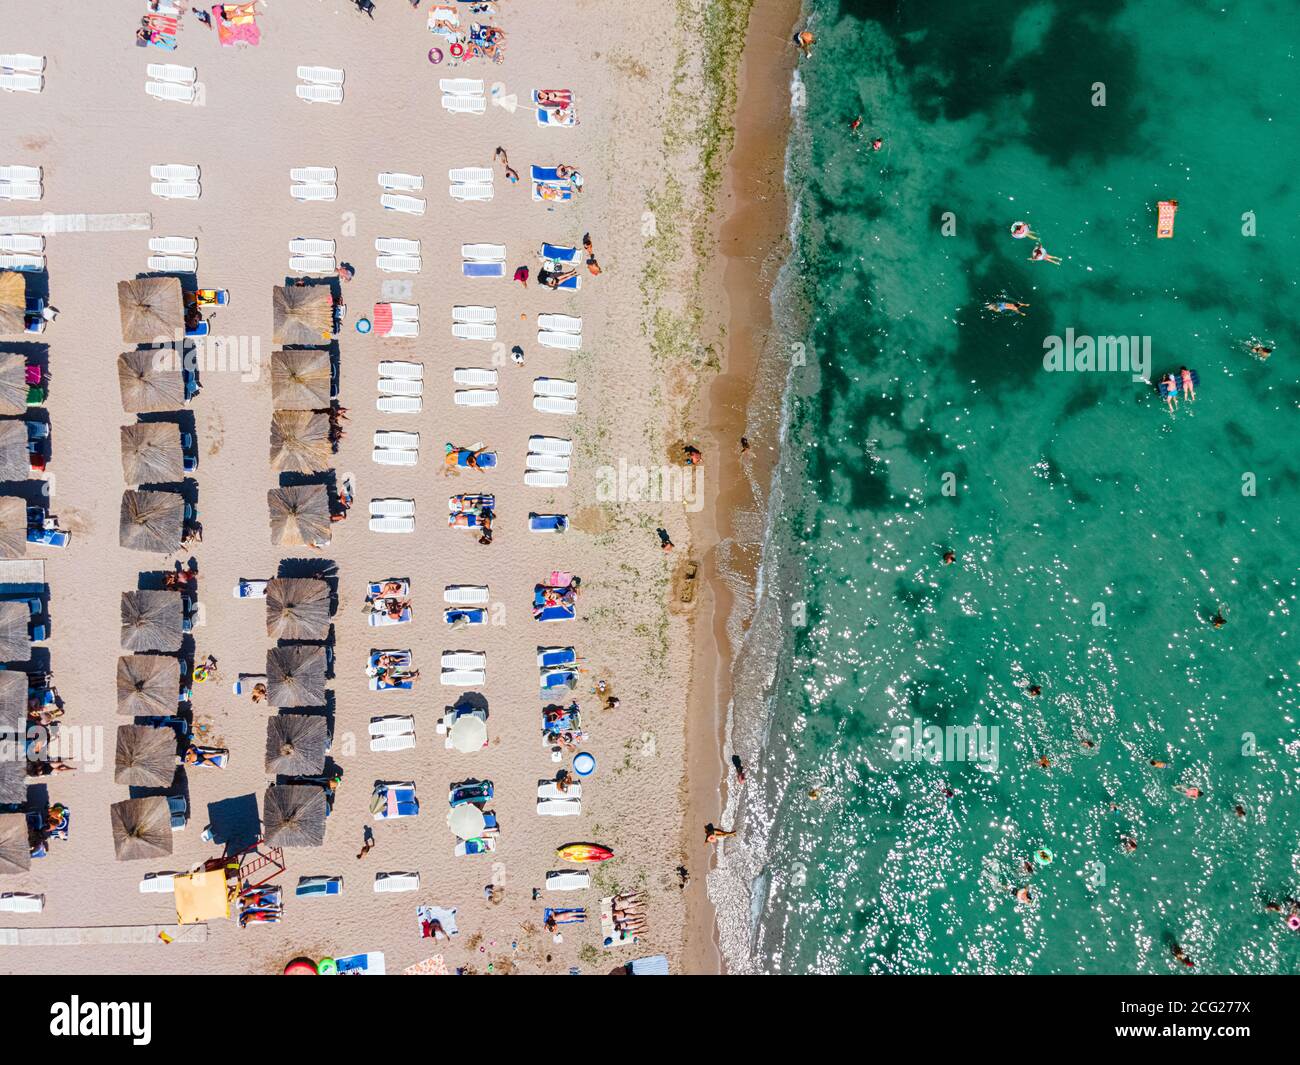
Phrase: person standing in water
{"type": "Point", "coordinates": [805, 39]}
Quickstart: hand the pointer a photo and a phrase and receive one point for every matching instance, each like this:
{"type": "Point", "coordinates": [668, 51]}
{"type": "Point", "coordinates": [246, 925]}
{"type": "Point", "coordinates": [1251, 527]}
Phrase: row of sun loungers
{"type": "Point", "coordinates": [474, 323]}
{"type": "Point", "coordinates": [21, 183]}
{"type": "Point", "coordinates": [391, 201]}
{"type": "Point", "coordinates": [20, 72]}
{"type": "Point", "coordinates": [172, 83]}
{"type": "Point", "coordinates": [398, 255]}
{"type": "Point", "coordinates": [561, 331]}
{"type": "Point", "coordinates": [471, 184]}
{"type": "Point", "coordinates": [314, 184]}
{"type": "Point", "coordinates": [463, 96]}
{"type": "Point", "coordinates": [396, 319]}
{"type": "Point", "coordinates": [320, 85]}
{"type": "Point", "coordinates": [174, 255]}
{"type": "Point", "coordinates": [392, 515]}
{"type": "Point", "coordinates": [392, 448]}
{"type": "Point", "coordinates": [554, 396]}
{"type": "Point", "coordinates": [175, 181]}
{"type": "Point", "coordinates": [22, 251]}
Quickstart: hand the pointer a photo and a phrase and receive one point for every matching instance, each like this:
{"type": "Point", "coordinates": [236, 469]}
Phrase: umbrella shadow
{"type": "Point", "coordinates": [235, 822]}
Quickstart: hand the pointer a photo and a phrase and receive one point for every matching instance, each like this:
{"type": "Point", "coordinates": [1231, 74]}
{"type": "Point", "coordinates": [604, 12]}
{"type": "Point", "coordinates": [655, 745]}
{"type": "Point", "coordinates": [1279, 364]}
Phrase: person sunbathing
{"type": "Point", "coordinates": [554, 98]}
{"type": "Point", "coordinates": [554, 278]}
{"type": "Point", "coordinates": [395, 608]}
{"type": "Point", "coordinates": [258, 693]}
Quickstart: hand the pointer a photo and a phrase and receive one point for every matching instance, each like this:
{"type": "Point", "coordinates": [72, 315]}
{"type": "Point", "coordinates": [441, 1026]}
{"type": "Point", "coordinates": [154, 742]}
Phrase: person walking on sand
{"type": "Point", "coordinates": [593, 267]}
{"type": "Point", "coordinates": [521, 275]}
{"type": "Point", "coordinates": [665, 542]}
{"type": "Point", "coordinates": [367, 842]}
{"type": "Point", "coordinates": [511, 174]}
{"type": "Point", "coordinates": [744, 445]}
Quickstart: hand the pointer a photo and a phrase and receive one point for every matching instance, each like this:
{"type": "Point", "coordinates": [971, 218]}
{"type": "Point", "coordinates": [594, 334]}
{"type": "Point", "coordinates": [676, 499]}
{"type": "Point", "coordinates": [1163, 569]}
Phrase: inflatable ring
{"type": "Point", "coordinates": [435, 56]}
{"type": "Point", "coordinates": [1293, 922]}
{"type": "Point", "coordinates": [363, 325]}
{"type": "Point", "coordinates": [584, 764]}
{"type": "Point", "coordinates": [301, 967]}
{"type": "Point", "coordinates": [327, 967]}
{"type": "Point", "coordinates": [1044, 856]}
{"type": "Point", "coordinates": [457, 50]}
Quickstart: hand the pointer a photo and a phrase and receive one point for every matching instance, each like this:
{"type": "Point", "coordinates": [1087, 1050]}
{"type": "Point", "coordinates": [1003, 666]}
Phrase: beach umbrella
{"type": "Point", "coordinates": [13, 526]}
{"type": "Point", "coordinates": [300, 442]}
{"type": "Point", "coordinates": [13, 383]}
{"type": "Point", "coordinates": [297, 608]}
{"type": "Point", "coordinates": [151, 521]}
{"type": "Point", "coordinates": [15, 846]}
{"type": "Point", "coordinates": [300, 515]}
{"type": "Point", "coordinates": [142, 828]}
{"type": "Point", "coordinates": [146, 756]}
{"type": "Point", "coordinates": [13, 304]}
{"type": "Point", "coordinates": [468, 733]}
{"type": "Point", "coordinates": [301, 380]}
{"type": "Point", "coordinates": [150, 381]}
{"type": "Point", "coordinates": [147, 685]}
{"type": "Point", "coordinates": [13, 775]}
{"type": "Point", "coordinates": [151, 453]}
{"type": "Point", "coordinates": [13, 701]}
{"type": "Point", "coordinates": [15, 635]}
{"type": "Point", "coordinates": [295, 676]}
{"type": "Point", "coordinates": [15, 459]}
{"type": "Point", "coordinates": [302, 314]}
{"type": "Point", "coordinates": [293, 815]}
{"type": "Point", "coordinates": [295, 745]}
{"type": "Point", "coordinates": [151, 621]}
{"type": "Point", "coordinates": [466, 822]}
{"type": "Point", "coordinates": [152, 310]}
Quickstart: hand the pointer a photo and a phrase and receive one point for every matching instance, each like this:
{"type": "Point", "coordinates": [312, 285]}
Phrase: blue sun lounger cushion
{"type": "Point", "coordinates": [472, 616]}
{"type": "Point", "coordinates": [548, 522]}
{"type": "Point", "coordinates": [556, 253]}
{"type": "Point", "coordinates": [556, 613]}
{"type": "Point", "coordinates": [483, 269]}
{"type": "Point", "coordinates": [556, 656]}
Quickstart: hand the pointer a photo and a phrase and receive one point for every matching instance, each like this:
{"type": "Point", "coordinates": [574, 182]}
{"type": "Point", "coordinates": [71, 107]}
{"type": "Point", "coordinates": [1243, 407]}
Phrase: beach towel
{"type": "Point", "coordinates": [237, 24]}
{"type": "Point", "coordinates": [434, 966]}
{"type": "Point", "coordinates": [426, 915]}
{"type": "Point", "coordinates": [565, 915]}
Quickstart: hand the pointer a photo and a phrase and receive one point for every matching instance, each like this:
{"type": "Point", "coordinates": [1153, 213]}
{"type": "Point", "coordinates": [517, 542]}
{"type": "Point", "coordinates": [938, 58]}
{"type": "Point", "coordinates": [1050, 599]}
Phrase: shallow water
{"type": "Point", "coordinates": [1095, 533]}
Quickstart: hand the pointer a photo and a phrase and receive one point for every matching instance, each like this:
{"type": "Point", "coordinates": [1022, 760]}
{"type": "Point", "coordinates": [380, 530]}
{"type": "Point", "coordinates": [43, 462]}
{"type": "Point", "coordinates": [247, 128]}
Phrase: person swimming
{"type": "Point", "coordinates": [1039, 255]}
{"type": "Point", "coordinates": [1189, 386]}
{"type": "Point", "coordinates": [1171, 391]}
{"type": "Point", "coordinates": [1006, 307]}
{"type": "Point", "coordinates": [1021, 231]}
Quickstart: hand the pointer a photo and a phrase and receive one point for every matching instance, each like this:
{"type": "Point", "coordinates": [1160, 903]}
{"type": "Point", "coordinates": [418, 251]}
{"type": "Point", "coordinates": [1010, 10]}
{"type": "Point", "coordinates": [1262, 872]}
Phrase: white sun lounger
{"type": "Point", "coordinates": [548, 789]}
{"type": "Point", "coordinates": [401, 182]}
{"type": "Point", "coordinates": [405, 312]}
{"type": "Point", "coordinates": [312, 264]}
{"type": "Point", "coordinates": [399, 404]}
{"type": "Point", "coordinates": [478, 315]}
{"type": "Point", "coordinates": [314, 175]}
{"type": "Point", "coordinates": [314, 193]}
{"type": "Point", "coordinates": [395, 456]}
{"type": "Point", "coordinates": [474, 375]}
{"type": "Point", "coordinates": [320, 94]}
{"type": "Point", "coordinates": [390, 882]}
{"type": "Point", "coordinates": [549, 445]}
{"type": "Point", "coordinates": [174, 245]}
{"type": "Point", "coordinates": [461, 86]}
{"type": "Point", "coordinates": [24, 190]}
{"type": "Point", "coordinates": [405, 204]}
{"type": "Point", "coordinates": [553, 386]}
{"type": "Point", "coordinates": [172, 72]}
{"type": "Point", "coordinates": [321, 75]}
{"type": "Point", "coordinates": [398, 264]}
{"type": "Point", "coordinates": [24, 243]}
{"type": "Point", "coordinates": [394, 438]}
{"type": "Point", "coordinates": [176, 190]}
{"type": "Point", "coordinates": [392, 508]}
{"type": "Point", "coordinates": [158, 883]}
{"type": "Point", "coordinates": [402, 371]}
{"type": "Point", "coordinates": [470, 175]}
{"type": "Point", "coordinates": [559, 323]}
{"type": "Point", "coordinates": [402, 329]}
{"type": "Point", "coordinates": [19, 174]}
{"type": "Point", "coordinates": [397, 386]}
{"type": "Point", "coordinates": [555, 405]}
{"type": "Point", "coordinates": [473, 331]}
{"type": "Point", "coordinates": [465, 594]}
{"type": "Point", "coordinates": [397, 246]}
{"type": "Point", "coordinates": [545, 479]}
{"type": "Point", "coordinates": [396, 725]}
{"type": "Point", "coordinates": [566, 341]}
{"type": "Point", "coordinates": [21, 261]}
{"type": "Point", "coordinates": [477, 397]}
{"type": "Point", "coordinates": [401, 742]}
{"type": "Point", "coordinates": [464, 660]}
{"type": "Point", "coordinates": [311, 246]}
{"type": "Point", "coordinates": [22, 62]}
{"type": "Point", "coordinates": [170, 91]}
{"type": "Point", "coordinates": [554, 463]}
{"type": "Point", "coordinates": [559, 807]}
{"type": "Point", "coordinates": [564, 880]}
{"type": "Point", "coordinates": [483, 253]}
{"type": "Point", "coordinates": [22, 82]}
{"type": "Point", "coordinates": [174, 264]}
{"type": "Point", "coordinates": [464, 105]}
{"type": "Point", "coordinates": [462, 678]}
{"type": "Point", "coordinates": [392, 525]}
{"type": "Point", "coordinates": [21, 902]}
{"type": "Point", "coordinates": [471, 193]}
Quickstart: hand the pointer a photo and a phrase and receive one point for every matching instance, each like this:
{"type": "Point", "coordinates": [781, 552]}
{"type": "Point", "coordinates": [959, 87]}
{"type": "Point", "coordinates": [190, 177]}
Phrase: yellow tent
{"type": "Point", "coordinates": [202, 896]}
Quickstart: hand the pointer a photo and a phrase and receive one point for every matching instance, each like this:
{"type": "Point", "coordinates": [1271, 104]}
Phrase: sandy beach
{"type": "Point", "coordinates": [95, 134]}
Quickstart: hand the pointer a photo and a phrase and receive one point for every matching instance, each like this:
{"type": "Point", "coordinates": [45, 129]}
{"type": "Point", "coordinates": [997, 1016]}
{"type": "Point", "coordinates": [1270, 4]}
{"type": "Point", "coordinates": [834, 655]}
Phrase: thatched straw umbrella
{"type": "Point", "coordinates": [13, 383]}
{"type": "Point", "coordinates": [301, 380]}
{"type": "Point", "coordinates": [295, 745]}
{"type": "Point", "coordinates": [150, 382]}
{"type": "Point", "coordinates": [151, 453]}
{"type": "Point", "coordinates": [293, 815]}
{"type": "Point", "coordinates": [146, 756]}
{"type": "Point", "coordinates": [13, 526]}
{"type": "Point", "coordinates": [13, 304]}
{"type": "Point", "coordinates": [15, 848]}
{"type": "Point", "coordinates": [151, 521]}
{"type": "Point", "coordinates": [303, 314]}
{"type": "Point", "coordinates": [300, 442]}
{"type": "Point", "coordinates": [151, 621]}
{"type": "Point", "coordinates": [15, 460]}
{"type": "Point", "coordinates": [147, 685]}
{"type": "Point", "coordinates": [152, 310]}
{"type": "Point", "coordinates": [13, 701]}
{"type": "Point", "coordinates": [300, 515]}
{"type": "Point", "coordinates": [295, 676]}
{"type": "Point", "coordinates": [15, 634]}
{"type": "Point", "coordinates": [13, 781]}
{"type": "Point", "coordinates": [142, 828]}
{"type": "Point", "coordinates": [297, 608]}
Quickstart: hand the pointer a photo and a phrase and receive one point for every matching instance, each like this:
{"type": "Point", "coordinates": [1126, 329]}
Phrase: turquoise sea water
{"type": "Point", "coordinates": [1079, 498]}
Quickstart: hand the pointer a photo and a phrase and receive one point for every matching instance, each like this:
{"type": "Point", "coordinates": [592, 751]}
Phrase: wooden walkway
{"type": "Point", "coordinates": [102, 936]}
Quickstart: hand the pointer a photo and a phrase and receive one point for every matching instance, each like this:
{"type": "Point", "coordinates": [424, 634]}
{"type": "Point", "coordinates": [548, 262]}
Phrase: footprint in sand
{"type": "Point", "coordinates": [216, 434]}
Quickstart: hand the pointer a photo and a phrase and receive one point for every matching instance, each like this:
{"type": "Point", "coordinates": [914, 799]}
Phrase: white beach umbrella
{"type": "Point", "coordinates": [468, 733]}
{"type": "Point", "coordinates": [466, 822]}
